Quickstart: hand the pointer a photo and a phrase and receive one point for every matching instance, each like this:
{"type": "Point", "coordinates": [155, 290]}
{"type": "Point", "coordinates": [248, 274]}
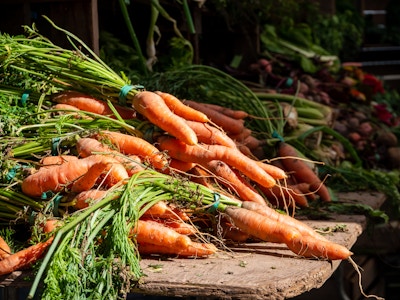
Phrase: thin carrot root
{"type": "Point", "coordinates": [206, 153]}
{"type": "Point", "coordinates": [285, 196]}
{"type": "Point", "coordinates": [25, 258]}
{"type": "Point", "coordinates": [153, 107]}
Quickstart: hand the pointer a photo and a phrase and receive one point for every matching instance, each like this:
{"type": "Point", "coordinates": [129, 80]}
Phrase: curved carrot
{"type": "Point", "coordinates": [301, 171]}
{"type": "Point", "coordinates": [183, 166]}
{"type": "Point", "coordinates": [205, 153]}
{"type": "Point", "coordinates": [4, 249]}
{"type": "Point", "coordinates": [233, 113]}
{"type": "Point", "coordinates": [89, 179]}
{"type": "Point", "coordinates": [133, 145]}
{"type": "Point", "coordinates": [58, 177]}
{"type": "Point", "coordinates": [210, 135]}
{"type": "Point", "coordinates": [164, 211]}
{"type": "Point", "coordinates": [281, 195]}
{"type": "Point", "coordinates": [230, 179]}
{"type": "Point", "coordinates": [50, 161]}
{"type": "Point", "coordinates": [153, 107]}
{"type": "Point", "coordinates": [177, 225]}
{"type": "Point", "coordinates": [228, 124]}
{"type": "Point", "coordinates": [182, 110]}
{"type": "Point", "coordinates": [88, 103]}
{"type": "Point", "coordinates": [85, 198]}
{"type": "Point", "coordinates": [267, 229]}
{"type": "Point", "coordinates": [272, 170]}
{"type": "Point", "coordinates": [24, 258]}
{"type": "Point", "coordinates": [89, 146]}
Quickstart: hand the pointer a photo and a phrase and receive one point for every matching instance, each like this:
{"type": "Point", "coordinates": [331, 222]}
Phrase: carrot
{"type": "Point", "coordinates": [304, 188]}
{"type": "Point", "coordinates": [58, 177]}
{"type": "Point", "coordinates": [210, 135]}
{"type": "Point", "coordinates": [228, 124]}
{"type": "Point", "coordinates": [50, 161]}
{"type": "Point", "coordinates": [89, 179]}
{"type": "Point", "coordinates": [272, 170]}
{"type": "Point", "coordinates": [301, 171]}
{"type": "Point", "coordinates": [153, 107]}
{"type": "Point", "coordinates": [183, 166]}
{"type": "Point", "coordinates": [280, 195]}
{"type": "Point", "coordinates": [178, 226]}
{"type": "Point", "coordinates": [132, 145]}
{"type": "Point", "coordinates": [88, 103]}
{"type": "Point", "coordinates": [65, 106]}
{"type": "Point", "coordinates": [206, 153]}
{"type": "Point", "coordinates": [83, 199]}
{"type": "Point", "coordinates": [164, 211]}
{"type": "Point", "coordinates": [195, 249]}
{"type": "Point", "coordinates": [232, 233]}
{"type": "Point", "coordinates": [182, 110]}
{"type": "Point", "coordinates": [270, 230]}
{"type": "Point", "coordinates": [230, 179]}
{"type": "Point", "coordinates": [24, 258]}
{"type": "Point", "coordinates": [89, 146]}
{"type": "Point", "coordinates": [4, 249]}
{"type": "Point", "coordinates": [252, 142]}
{"type": "Point", "coordinates": [283, 219]}
{"type": "Point", "coordinates": [233, 113]}
{"type": "Point", "coordinates": [241, 136]}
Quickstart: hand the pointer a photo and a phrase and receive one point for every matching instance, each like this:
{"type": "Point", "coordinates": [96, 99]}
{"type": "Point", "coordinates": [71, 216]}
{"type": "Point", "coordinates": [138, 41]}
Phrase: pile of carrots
{"type": "Point", "coordinates": [206, 144]}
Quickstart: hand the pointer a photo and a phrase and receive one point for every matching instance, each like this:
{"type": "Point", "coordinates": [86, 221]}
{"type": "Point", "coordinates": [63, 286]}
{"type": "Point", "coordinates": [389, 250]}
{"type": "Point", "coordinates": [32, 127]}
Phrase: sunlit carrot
{"type": "Point", "coordinates": [205, 153]}
{"type": "Point", "coordinates": [182, 110]}
{"type": "Point", "coordinates": [89, 179]}
{"type": "Point", "coordinates": [24, 258]}
{"type": "Point", "coordinates": [211, 135]}
{"type": "Point", "coordinates": [132, 145]}
{"type": "Point", "coordinates": [228, 124]}
{"type": "Point", "coordinates": [177, 225]}
{"type": "Point", "coordinates": [285, 195]}
{"type": "Point", "coordinates": [195, 250]}
{"type": "Point", "coordinates": [88, 103]}
{"type": "Point", "coordinates": [153, 107]}
{"type": "Point", "coordinates": [179, 165]}
{"type": "Point", "coordinates": [56, 160]}
{"type": "Point", "coordinates": [4, 249]}
{"type": "Point", "coordinates": [233, 113]}
{"type": "Point", "coordinates": [163, 210]}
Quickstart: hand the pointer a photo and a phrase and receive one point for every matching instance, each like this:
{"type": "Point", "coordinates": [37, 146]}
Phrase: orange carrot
{"type": "Point", "coordinates": [50, 161]}
{"type": "Point", "coordinates": [89, 146]}
{"type": "Point", "coordinates": [241, 136]}
{"type": "Point", "coordinates": [4, 249]}
{"type": "Point", "coordinates": [153, 107]}
{"type": "Point", "coordinates": [232, 233]}
{"type": "Point", "coordinates": [301, 171]}
{"type": "Point", "coordinates": [179, 226]}
{"type": "Point", "coordinates": [195, 249]}
{"type": "Point", "coordinates": [272, 170]}
{"type": "Point", "coordinates": [228, 124]}
{"type": "Point", "coordinates": [230, 179]}
{"type": "Point", "coordinates": [283, 219]}
{"type": "Point", "coordinates": [24, 258]}
{"type": "Point", "coordinates": [252, 142]}
{"type": "Point", "coordinates": [233, 113]}
{"type": "Point", "coordinates": [88, 103]}
{"type": "Point", "coordinates": [132, 145]}
{"type": "Point", "coordinates": [182, 110]}
{"type": "Point", "coordinates": [89, 179]}
{"type": "Point", "coordinates": [267, 229]}
{"type": "Point", "coordinates": [210, 135]}
{"type": "Point", "coordinates": [288, 195]}
{"type": "Point", "coordinates": [183, 166]}
{"type": "Point", "coordinates": [164, 211]}
{"type": "Point", "coordinates": [205, 153]}
{"type": "Point", "coordinates": [58, 177]}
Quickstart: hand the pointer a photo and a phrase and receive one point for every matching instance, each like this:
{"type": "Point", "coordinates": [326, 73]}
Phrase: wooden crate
{"type": "Point", "coordinates": [80, 17]}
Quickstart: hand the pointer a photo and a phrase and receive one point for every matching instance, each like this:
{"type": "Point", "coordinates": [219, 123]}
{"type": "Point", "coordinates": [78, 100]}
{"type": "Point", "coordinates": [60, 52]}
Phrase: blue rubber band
{"type": "Point", "coordinates": [289, 82]}
{"type": "Point", "coordinates": [277, 136]}
{"type": "Point", "coordinates": [32, 217]}
{"type": "Point", "coordinates": [55, 203]}
{"type": "Point", "coordinates": [125, 91]}
{"type": "Point", "coordinates": [24, 98]}
{"type": "Point", "coordinates": [55, 142]}
{"type": "Point", "coordinates": [215, 205]}
{"type": "Point", "coordinates": [11, 174]}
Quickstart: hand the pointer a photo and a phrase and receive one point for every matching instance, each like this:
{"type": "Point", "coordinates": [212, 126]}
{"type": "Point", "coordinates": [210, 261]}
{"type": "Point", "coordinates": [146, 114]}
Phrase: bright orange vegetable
{"type": "Point", "coordinates": [233, 113]}
{"type": "Point", "coordinates": [195, 250]}
{"type": "Point", "coordinates": [182, 110]}
{"type": "Point", "coordinates": [153, 107]}
{"type": "Point", "coordinates": [59, 177]}
{"type": "Point", "coordinates": [285, 196]}
{"type": "Point", "coordinates": [205, 153]}
{"type": "Point", "coordinates": [163, 210]}
{"type": "Point", "coordinates": [88, 103]}
{"type": "Point", "coordinates": [211, 135]}
{"type": "Point", "coordinates": [24, 258]}
{"type": "Point", "coordinates": [228, 124]}
{"type": "Point", "coordinates": [301, 171]}
{"type": "Point", "coordinates": [4, 249]}
{"type": "Point", "coordinates": [84, 199]}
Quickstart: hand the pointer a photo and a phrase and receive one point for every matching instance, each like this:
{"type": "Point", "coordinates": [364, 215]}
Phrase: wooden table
{"type": "Point", "coordinates": [251, 271]}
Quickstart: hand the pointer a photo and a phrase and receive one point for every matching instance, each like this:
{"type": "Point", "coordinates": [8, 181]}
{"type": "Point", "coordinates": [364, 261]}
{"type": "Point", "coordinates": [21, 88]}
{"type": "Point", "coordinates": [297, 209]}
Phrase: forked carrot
{"type": "Point", "coordinates": [59, 177]}
{"type": "Point", "coordinates": [24, 258]}
{"type": "Point", "coordinates": [89, 179]}
{"type": "Point", "coordinates": [205, 153]}
{"type": "Point", "coordinates": [232, 181]}
{"type": "Point", "coordinates": [88, 103]}
{"type": "Point", "coordinates": [228, 124]}
{"type": "Point", "coordinates": [301, 171]}
{"type": "Point", "coordinates": [153, 107]}
{"type": "Point", "coordinates": [271, 230]}
{"type": "Point", "coordinates": [132, 145]}
{"type": "Point", "coordinates": [211, 135]}
{"type": "Point", "coordinates": [4, 249]}
{"type": "Point", "coordinates": [182, 110]}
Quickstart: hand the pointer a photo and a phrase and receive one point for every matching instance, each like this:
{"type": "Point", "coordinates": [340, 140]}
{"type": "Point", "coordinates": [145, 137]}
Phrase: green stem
{"type": "Point", "coordinates": [188, 15]}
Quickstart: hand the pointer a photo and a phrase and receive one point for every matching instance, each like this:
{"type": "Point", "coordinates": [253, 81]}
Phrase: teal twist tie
{"type": "Point", "coordinates": [24, 98]}
{"type": "Point", "coordinates": [125, 91]}
{"type": "Point", "coordinates": [214, 206]}
{"type": "Point", "coordinates": [55, 142]}
{"type": "Point", "coordinates": [278, 136]}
